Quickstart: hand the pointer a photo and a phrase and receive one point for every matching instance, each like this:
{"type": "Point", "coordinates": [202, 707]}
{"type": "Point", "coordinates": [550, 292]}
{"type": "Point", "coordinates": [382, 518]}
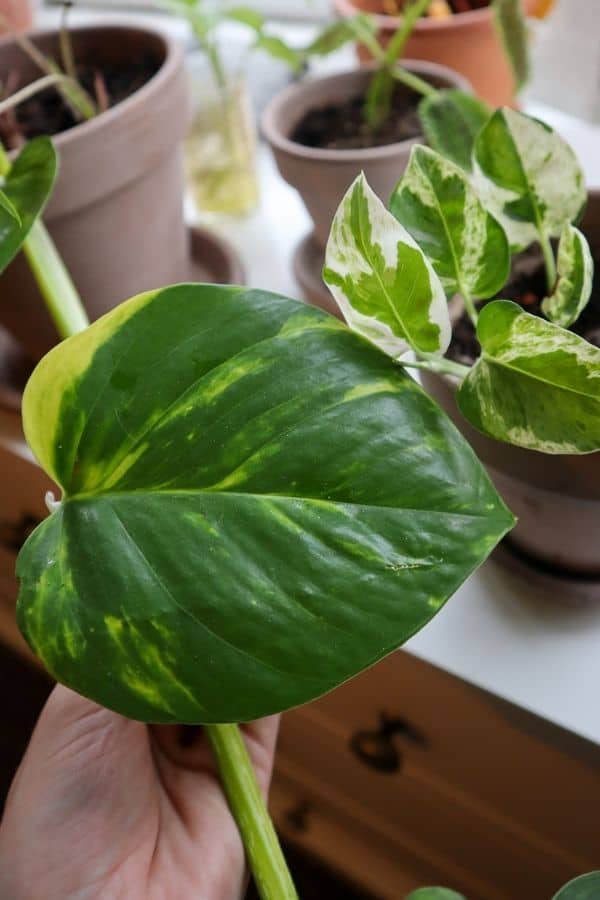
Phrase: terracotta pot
{"type": "Point", "coordinates": [17, 13]}
{"type": "Point", "coordinates": [555, 498]}
{"type": "Point", "coordinates": [323, 176]}
{"type": "Point", "coordinates": [116, 211]}
{"type": "Point", "coordinates": [467, 42]}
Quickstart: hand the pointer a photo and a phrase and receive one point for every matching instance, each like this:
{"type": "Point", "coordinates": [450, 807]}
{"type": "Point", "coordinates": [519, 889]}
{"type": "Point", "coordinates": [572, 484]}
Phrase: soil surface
{"type": "Point", "coordinates": [48, 114]}
{"type": "Point", "coordinates": [342, 126]}
{"type": "Point", "coordinates": [527, 286]}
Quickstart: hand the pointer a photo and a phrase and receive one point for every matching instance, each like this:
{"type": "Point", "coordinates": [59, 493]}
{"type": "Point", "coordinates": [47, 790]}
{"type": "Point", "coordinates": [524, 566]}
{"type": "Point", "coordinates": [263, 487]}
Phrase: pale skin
{"type": "Point", "coordinates": [103, 807]}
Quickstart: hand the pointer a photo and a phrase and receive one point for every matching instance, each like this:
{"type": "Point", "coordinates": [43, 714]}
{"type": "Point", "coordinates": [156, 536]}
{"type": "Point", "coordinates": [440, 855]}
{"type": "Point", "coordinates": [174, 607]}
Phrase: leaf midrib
{"type": "Point", "coordinates": [492, 360]}
{"type": "Point", "coordinates": [384, 291]}
{"type": "Point", "coordinates": [153, 492]}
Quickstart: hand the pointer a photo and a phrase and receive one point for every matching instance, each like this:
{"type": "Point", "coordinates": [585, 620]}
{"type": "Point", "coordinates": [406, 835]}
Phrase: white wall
{"type": "Point", "coordinates": [566, 59]}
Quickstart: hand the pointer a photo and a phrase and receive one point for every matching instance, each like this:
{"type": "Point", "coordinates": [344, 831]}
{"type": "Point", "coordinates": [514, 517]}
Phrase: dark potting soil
{"type": "Point", "coordinates": [342, 126]}
{"type": "Point", "coordinates": [527, 286]}
{"type": "Point", "coordinates": [48, 114]}
{"type": "Point", "coordinates": [394, 7]}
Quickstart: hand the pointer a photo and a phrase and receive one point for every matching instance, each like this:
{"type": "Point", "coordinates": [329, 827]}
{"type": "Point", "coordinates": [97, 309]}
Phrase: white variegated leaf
{"type": "Point", "coordinates": [382, 281]}
{"type": "Point", "coordinates": [467, 247]}
{"type": "Point", "coordinates": [535, 385]}
{"type": "Point", "coordinates": [575, 274]}
{"type": "Point", "coordinates": [528, 177]}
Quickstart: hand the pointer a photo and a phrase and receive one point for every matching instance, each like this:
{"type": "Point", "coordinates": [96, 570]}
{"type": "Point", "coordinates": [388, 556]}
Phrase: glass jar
{"type": "Point", "coordinates": [220, 149]}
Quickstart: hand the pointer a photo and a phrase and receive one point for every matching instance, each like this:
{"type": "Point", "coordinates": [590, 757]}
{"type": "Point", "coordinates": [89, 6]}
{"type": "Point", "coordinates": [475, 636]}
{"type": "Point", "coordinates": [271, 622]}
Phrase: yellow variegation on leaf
{"type": "Point", "coordinates": [257, 504]}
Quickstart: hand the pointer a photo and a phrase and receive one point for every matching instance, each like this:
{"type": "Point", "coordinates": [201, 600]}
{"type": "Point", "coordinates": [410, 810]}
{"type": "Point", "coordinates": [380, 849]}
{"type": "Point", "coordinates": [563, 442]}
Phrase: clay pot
{"type": "Point", "coordinates": [17, 13]}
{"type": "Point", "coordinates": [323, 176]}
{"type": "Point", "coordinates": [116, 210]}
{"type": "Point", "coordinates": [555, 498]}
{"type": "Point", "coordinates": [467, 42]}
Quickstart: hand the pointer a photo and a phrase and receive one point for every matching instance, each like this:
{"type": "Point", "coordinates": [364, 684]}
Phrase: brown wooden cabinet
{"type": "Point", "coordinates": [408, 775]}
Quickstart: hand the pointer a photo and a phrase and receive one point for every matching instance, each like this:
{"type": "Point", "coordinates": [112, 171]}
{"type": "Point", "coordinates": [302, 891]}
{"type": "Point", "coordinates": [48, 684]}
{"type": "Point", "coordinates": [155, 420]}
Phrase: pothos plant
{"type": "Point", "coordinates": [450, 232]}
{"type": "Point", "coordinates": [255, 504]}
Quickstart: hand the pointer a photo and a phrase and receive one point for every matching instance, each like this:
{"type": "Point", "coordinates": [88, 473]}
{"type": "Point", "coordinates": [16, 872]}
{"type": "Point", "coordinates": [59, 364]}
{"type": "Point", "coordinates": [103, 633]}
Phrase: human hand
{"type": "Point", "coordinates": [104, 807]}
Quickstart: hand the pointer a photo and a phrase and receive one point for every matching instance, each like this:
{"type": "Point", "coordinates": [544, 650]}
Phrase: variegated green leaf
{"type": "Point", "coordinates": [256, 505]}
{"type": "Point", "coordinates": [509, 19]}
{"type": "Point", "coordinates": [528, 177]}
{"type": "Point", "coordinates": [535, 384]}
{"type": "Point", "coordinates": [340, 32]}
{"type": "Point", "coordinates": [586, 887]}
{"type": "Point", "coordinates": [451, 121]}
{"type": "Point", "coordinates": [245, 15]}
{"type": "Point", "coordinates": [436, 203]}
{"type": "Point", "coordinates": [434, 893]}
{"type": "Point", "coordinates": [27, 187]}
{"type": "Point", "coordinates": [383, 283]}
{"type": "Point", "coordinates": [575, 275]}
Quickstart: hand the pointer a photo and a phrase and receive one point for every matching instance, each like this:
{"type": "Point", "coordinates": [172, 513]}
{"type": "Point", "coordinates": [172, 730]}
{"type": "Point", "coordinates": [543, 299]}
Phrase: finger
{"type": "Point", "coordinates": [187, 747]}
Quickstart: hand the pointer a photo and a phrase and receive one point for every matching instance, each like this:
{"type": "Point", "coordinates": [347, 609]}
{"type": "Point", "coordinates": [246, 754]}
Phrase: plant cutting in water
{"type": "Point", "coordinates": [220, 150]}
{"type": "Point", "coordinates": [536, 383]}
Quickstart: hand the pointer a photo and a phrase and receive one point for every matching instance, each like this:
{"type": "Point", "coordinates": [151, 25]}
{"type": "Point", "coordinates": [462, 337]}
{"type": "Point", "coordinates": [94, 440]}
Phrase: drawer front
{"type": "Point", "coordinates": [23, 487]}
{"type": "Point", "coordinates": [453, 778]}
{"type": "Point", "coordinates": [472, 849]}
{"type": "Point", "coordinates": [466, 739]}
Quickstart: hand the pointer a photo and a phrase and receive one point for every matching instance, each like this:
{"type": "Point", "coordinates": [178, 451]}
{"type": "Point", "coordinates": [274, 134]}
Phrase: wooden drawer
{"type": "Point", "coordinates": [23, 487]}
{"type": "Point", "coordinates": [482, 793]}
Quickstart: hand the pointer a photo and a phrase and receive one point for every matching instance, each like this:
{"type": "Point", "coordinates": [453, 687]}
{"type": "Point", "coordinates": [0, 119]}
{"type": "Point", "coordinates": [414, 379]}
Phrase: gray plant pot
{"type": "Point", "coordinates": [116, 210]}
{"type": "Point", "coordinates": [323, 176]}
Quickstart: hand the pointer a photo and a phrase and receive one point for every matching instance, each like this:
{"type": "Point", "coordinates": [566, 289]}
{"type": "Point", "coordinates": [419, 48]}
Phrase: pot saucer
{"type": "Point", "coordinates": [212, 260]}
{"type": "Point", "coordinates": [557, 586]}
{"type": "Point", "coordinates": [309, 259]}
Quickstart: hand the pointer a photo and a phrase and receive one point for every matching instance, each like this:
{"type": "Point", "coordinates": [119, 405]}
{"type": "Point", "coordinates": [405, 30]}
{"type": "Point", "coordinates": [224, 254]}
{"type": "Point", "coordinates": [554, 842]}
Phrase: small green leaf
{"type": "Point", "coordinates": [436, 203]}
{"type": "Point", "coordinates": [451, 121]}
{"type": "Point", "coordinates": [335, 36]}
{"type": "Point", "coordinates": [9, 207]}
{"type": "Point", "coordinates": [535, 384]}
{"type": "Point", "coordinates": [586, 887]}
{"type": "Point", "coordinates": [434, 893]}
{"type": "Point", "coordinates": [528, 177]}
{"type": "Point", "coordinates": [575, 275]}
{"type": "Point", "coordinates": [257, 504]}
{"type": "Point", "coordinates": [246, 16]}
{"type": "Point", "coordinates": [26, 188]}
{"type": "Point", "coordinates": [512, 28]}
{"type": "Point", "coordinates": [277, 48]}
{"type": "Point", "coordinates": [381, 280]}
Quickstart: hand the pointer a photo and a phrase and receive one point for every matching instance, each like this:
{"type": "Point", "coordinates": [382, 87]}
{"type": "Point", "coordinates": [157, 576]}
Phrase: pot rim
{"type": "Point", "coordinates": [426, 24]}
{"type": "Point", "coordinates": [274, 135]}
{"type": "Point", "coordinates": [173, 53]}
